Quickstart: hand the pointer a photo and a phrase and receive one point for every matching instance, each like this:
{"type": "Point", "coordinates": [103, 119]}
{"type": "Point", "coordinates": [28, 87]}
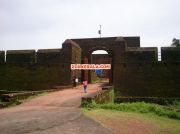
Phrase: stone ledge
{"type": "Point", "coordinates": [100, 97]}
{"type": "Point", "coordinates": [15, 95]}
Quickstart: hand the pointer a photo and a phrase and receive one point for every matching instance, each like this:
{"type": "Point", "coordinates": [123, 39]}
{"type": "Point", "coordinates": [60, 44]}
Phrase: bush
{"type": "Point", "coordinates": [140, 107]}
{"type": "Point", "coordinates": [86, 104]}
{"type": "Point", "coordinates": [176, 104]}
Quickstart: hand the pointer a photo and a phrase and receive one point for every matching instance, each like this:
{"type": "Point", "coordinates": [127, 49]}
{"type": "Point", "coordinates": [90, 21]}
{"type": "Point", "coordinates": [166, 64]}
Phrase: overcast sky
{"type": "Point", "coordinates": [35, 24]}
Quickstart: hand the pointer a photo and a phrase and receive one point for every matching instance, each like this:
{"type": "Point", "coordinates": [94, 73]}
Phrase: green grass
{"type": "Point", "coordinates": [176, 105]}
{"type": "Point", "coordinates": [125, 122]}
{"type": "Point", "coordinates": [17, 102]}
{"type": "Point", "coordinates": [13, 103]}
{"type": "Point", "coordinates": [97, 80]}
{"type": "Point", "coordinates": [37, 95]}
{"type": "Point", "coordinates": [138, 107]}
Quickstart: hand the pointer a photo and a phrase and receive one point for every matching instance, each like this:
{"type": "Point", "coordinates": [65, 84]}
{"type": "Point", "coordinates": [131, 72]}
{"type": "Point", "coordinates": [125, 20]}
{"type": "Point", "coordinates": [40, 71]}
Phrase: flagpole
{"type": "Point", "coordinates": [100, 31]}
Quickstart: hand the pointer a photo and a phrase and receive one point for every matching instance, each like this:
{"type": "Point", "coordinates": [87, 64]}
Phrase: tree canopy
{"type": "Point", "coordinates": [175, 42]}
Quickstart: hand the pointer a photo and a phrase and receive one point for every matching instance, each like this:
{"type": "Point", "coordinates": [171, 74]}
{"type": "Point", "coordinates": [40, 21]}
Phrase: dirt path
{"type": "Point", "coordinates": [56, 113]}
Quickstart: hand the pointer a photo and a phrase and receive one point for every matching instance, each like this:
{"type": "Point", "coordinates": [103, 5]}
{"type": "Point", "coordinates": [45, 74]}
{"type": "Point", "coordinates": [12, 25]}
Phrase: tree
{"type": "Point", "coordinates": [175, 42]}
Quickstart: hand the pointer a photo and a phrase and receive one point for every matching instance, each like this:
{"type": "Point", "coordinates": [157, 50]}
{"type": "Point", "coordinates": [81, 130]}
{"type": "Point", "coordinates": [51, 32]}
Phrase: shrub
{"type": "Point", "coordinates": [140, 107]}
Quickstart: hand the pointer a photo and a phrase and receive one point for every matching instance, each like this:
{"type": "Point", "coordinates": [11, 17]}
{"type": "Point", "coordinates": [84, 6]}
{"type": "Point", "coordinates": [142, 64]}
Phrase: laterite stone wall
{"type": "Point", "coordinates": [141, 75]}
{"type": "Point", "coordinates": [2, 57]}
{"type": "Point", "coordinates": [44, 69]}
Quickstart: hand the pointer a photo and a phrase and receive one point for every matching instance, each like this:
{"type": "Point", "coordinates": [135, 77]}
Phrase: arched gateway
{"type": "Point", "coordinates": [135, 71]}
{"type": "Point", "coordinates": [115, 46]}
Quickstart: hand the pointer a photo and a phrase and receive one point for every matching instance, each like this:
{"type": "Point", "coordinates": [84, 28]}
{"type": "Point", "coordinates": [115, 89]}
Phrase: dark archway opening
{"type": "Point", "coordinates": [100, 75]}
{"type": "Point", "coordinates": [100, 56]}
{"type": "Point", "coordinates": [106, 57]}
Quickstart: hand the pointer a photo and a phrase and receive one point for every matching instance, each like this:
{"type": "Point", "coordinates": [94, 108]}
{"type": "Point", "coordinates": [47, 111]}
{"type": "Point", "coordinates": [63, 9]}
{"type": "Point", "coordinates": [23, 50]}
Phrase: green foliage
{"type": "Point", "coordinates": [141, 107]}
{"type": "Point", "coordinates": [34, 96]}
{"type": "Point", "coordinates": [176, 104]}
{"type": "Point", "coordinates": [18, 100]}
{"type": "Point", "coordinates": [13, 103]}
{"type": "Point", "coordinates": [175, 42]}
{"type": "Point", "coordinates": [89, 105]}
{"type": "Point", "coordinates": [111, 95]}
{"type": "Point", "coordinates": [97, 80]}
{"type": "Point", "coordinates": [124, 120]}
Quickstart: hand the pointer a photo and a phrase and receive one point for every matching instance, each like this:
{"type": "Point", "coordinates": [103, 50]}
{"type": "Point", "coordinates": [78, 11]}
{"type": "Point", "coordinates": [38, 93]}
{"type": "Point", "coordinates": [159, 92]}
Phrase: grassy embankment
{"type": "Point", "coordinates": [137, 117]}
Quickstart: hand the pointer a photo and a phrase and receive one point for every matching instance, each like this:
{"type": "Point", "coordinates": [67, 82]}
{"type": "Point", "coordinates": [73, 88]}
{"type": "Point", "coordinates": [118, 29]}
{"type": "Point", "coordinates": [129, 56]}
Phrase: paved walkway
{"type": "Point", "coordinates": [55, 113]}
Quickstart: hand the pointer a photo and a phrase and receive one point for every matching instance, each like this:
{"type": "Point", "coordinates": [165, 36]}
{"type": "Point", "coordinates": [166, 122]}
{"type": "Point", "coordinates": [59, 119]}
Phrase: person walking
{"type": "Point", "coordinates": [76, 81]}
{"type": "Point", "coordinates": [85, 83]}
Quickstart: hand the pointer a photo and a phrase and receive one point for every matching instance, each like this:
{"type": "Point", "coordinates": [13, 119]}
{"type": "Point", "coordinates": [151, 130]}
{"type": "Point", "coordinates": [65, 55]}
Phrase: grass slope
{"type": "Point", "coordinates": [141, 107]}
{"type": "Point", "coordinates": [133, 122]}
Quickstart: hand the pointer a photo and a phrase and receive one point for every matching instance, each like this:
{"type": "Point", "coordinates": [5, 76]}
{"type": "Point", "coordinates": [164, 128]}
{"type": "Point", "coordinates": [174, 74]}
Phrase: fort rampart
{"type": "Point", "coordinates": [31, 70]}
{"type": "Point", "coordinates": [136, 70]}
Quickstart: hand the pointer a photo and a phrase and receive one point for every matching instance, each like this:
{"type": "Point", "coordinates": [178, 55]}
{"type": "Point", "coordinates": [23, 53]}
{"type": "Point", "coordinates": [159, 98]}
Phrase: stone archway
{"type": "Point", "coordinates": [115, 46]}
{"type": "Point", "coordinates": [89, 58]}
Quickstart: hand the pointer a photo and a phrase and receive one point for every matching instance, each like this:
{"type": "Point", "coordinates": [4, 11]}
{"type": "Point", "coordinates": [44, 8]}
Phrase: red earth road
{"type": "Point", "coordinates": [56, 113]}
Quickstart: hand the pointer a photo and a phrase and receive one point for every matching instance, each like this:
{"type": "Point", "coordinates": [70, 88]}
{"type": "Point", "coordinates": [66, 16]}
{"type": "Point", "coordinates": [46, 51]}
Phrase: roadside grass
{"type": "Point", "coordinates": [34, 96]}
{"type": "Point", "coordinates": [176, 105]}
{"type": "Point", "coordinates": [126, 122]}
{"type": "Point", "coordinates": [97, 80]}
{"type": "Point", "coordinates": [19, 101]}
{"type": "Point", "coordinates": [13, 103]}
{"type": "Point", "coordinates": [139, 107]}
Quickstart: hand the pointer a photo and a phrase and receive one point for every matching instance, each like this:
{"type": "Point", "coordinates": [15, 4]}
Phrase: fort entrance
{"type": "Point", "coordinates": [88, 47]}
{"type": "Point", "coordinates": [100, 75]}
{"type": "Point", "coordinates": [135, 71]}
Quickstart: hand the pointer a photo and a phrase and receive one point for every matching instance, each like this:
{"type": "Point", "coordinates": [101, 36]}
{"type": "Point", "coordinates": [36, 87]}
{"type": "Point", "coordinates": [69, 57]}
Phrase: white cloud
{"type": "Point", "coordinates": [28, 24]}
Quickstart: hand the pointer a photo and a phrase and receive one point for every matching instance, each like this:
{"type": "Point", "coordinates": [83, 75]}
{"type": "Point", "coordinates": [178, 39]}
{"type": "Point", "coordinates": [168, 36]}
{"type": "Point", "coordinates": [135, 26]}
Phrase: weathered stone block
{"type": "Point", "coordinates": [147, 80]}
{"type": "Point", "coordinates": [20, 56]}
{"type": "Point", "coordinates": [170, 54]}
{"type": "Point", "coordinates": [142, 54]}
{"type": "Point", "coordinates": [50, 56]}
{"type": "Point", "coordinates": [2, 56]}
